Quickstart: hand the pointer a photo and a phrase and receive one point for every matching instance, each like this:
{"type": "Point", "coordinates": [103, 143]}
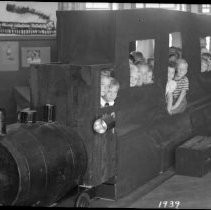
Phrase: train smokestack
{"type": "Point", "coordinates": [49, 113]}
{"type": "Point", "coordinates": [27, 116]}
{"type": "Point", "coordinates": [2, 121]}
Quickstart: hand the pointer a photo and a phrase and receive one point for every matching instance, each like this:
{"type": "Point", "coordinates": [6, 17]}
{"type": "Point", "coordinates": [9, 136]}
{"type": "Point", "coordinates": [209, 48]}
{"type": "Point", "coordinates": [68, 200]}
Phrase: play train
{"type": "Point", "coordinates": [42, 161]}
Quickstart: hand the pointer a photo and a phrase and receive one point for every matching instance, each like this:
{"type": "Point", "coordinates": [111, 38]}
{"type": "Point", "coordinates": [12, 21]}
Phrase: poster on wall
{"type": "Point", "coordinates": [9, 56]}
{"type": "Point", "coordinates": [35, 55]}
{"type": "Point", "coordinates": [28, 18]}
{"type": "Point", "coordinates": [28, 11]}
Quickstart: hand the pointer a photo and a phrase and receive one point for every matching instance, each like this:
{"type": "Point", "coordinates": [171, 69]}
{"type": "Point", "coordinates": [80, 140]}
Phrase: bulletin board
{"type": "Point", "coordinates": [35, 55]}
{"type": "Point", "coordinates": [9, 56]}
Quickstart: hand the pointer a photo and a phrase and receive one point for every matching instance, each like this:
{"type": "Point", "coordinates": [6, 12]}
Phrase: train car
{"type": "Point", "coordinates": [124, 145]}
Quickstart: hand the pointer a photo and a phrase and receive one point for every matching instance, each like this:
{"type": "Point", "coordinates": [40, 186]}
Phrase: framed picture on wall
{"type": "Point", "coordinates": [9, 56]}
{"type": "Point", "coordinates": [35, 55]}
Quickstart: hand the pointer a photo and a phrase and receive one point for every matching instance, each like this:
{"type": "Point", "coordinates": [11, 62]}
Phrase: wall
{"type": "Point", "coordinates": [9, 79]}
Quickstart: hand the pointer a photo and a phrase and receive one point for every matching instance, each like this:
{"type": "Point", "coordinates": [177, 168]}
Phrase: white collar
{"type": "Point", "coordinates": [103, 102]}
{"type": "Point", "coordinates": [111, 103]}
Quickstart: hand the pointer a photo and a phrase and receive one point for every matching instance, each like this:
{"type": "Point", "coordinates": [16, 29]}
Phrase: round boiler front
{"type": "Point", "coordinates": [40, 163]}
{"type": "Point", "coordinates": [9, 177]}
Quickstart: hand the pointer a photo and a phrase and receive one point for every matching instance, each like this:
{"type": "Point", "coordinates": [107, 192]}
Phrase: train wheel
{"type": "Point", "coordinates": [83, 200]}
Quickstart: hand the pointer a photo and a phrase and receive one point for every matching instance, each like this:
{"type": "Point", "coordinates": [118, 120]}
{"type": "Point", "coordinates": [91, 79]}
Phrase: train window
{"type": "Point", "coordinates": [175, 46]}
{"type": "Point", "coordinates": [141, 63]}
{"type": "Point", "coordinates": [205, 54]}
{"type": "Point", "coordinates": [109, 87]}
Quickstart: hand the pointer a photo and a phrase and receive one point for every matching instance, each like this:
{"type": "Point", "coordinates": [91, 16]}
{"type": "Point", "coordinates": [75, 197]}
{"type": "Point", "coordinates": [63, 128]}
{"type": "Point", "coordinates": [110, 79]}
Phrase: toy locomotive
{"type": "Point", "coordinates": [44, 159]}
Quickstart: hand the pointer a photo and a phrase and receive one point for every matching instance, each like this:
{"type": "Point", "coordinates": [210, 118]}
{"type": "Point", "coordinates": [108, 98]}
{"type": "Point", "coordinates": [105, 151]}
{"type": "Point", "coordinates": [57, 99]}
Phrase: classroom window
{"type": "Point", "coordinates": [141, 63]}
{"type": "Point", "coordinates": [165, 6]}
{"type": "Point", "coordinates": [152, 5]}
{"type": "Point", "coordinates": [115, 6]}
{"type": "Point", "coordinates": [205, 8]}
{"type": "Point", "coordinates": [182, 7]}
{"type": "Point", "coordinates": [96, 6]}
{"type": "Point", "coordinates": [168, 6]}
{"type": "Point", "coordinates": [205, 54]}
{"type": "Point", "coordinates": [139, 5]}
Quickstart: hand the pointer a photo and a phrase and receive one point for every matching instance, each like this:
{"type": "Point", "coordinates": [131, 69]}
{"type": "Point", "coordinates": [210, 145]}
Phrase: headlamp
{"type": "Point", "coordinates": [106, 122]}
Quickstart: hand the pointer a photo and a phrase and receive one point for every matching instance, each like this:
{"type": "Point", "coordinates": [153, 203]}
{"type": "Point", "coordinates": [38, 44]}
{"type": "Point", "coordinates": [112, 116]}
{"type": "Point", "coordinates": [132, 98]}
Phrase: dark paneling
{"type": "Point", "coordinates": [86, 38]}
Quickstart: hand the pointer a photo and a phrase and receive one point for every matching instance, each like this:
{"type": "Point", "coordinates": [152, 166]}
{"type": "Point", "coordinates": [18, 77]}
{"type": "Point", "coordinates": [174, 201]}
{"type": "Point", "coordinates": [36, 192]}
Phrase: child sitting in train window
{"type": "Point", "coordinates": [134, 75]}
{"type": "Point", "coordinates": [207, 56]}
{"type": "Point", "coordinates": [140, 77]}
{"type": "Point", "coordinates": [139, 74]}
{"type": "Point", "coordinates": [204, 64]}
{"type": "Point", "coordinates": [150, 62]}
{"type": "Point", "coordinates": [179, 94]}
{"type": "Point", "coordinates": [112, 92]}
{"type": "Point", "coordinates": [149, 77]}
{"type": "Point", "coordinates": [105, 83]}
{"type": "Point", "coordinates": [171, 85]}
{"type": "Point", "coordinates": [138, 57]}
{"type": "Point", "coordinates": [144, 69]}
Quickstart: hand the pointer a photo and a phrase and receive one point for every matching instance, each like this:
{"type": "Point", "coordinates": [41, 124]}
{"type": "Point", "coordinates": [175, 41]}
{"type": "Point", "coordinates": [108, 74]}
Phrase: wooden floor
{"type": "Point", "coordinates": [191, 192]}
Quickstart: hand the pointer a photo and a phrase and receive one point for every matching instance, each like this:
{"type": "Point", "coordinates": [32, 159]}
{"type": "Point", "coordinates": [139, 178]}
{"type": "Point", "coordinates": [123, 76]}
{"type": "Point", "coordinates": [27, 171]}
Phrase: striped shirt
{"type": "Point", "coordinates": [182, 84]}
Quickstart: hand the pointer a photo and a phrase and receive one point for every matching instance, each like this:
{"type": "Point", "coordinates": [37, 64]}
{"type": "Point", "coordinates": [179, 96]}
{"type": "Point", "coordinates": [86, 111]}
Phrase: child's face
{"type": "Point", "coordinates": [203, 42]}
{"type": "Point", "coordinates": [171, 73]}
{"type": "Point", "coordinates": [182, 70]}
{"type": "Point", "coordinates": [133, 75]}
{"type": "Point", "coordinates": [133, 79]}
{"type": "Point", "coordinates": [140, 78]}
{"type": "Point", "coordinates": [152, 62]}
{"type": "Point", "coordinates": [149, 77]}
{"type": "Point", "coordinates": [105, 82]}
{"type": "Point", "coordinates": [144, 70]}
{"type": "Point", "coordinates": [204, 66]}
{"type": "Point", "coordinates": [112, 93]}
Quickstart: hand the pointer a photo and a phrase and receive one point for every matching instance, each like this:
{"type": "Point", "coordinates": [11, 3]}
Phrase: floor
{"type": "Point", "coordinates": [191, 192]}
{"type": "Point", "coordinates": [178, 191]}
